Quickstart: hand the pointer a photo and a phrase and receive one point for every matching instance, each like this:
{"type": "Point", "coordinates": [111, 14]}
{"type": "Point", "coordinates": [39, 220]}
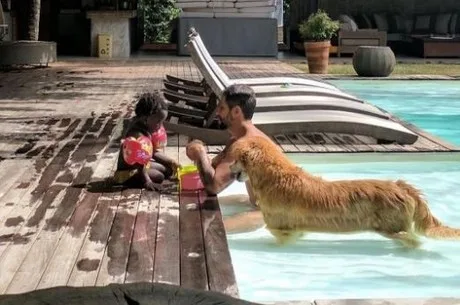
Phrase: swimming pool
{"type": "Point", "coordinates": [361, 265]}
{"type": "Point", "coordinates": [366, 265]}
{"type": "Point", "coordinates": [433, 106]}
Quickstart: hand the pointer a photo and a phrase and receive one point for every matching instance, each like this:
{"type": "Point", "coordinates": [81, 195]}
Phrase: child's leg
{"type": "Point", "coordinates": [163, 167]}
{"type": "Point", "coordinates": [157, 172]}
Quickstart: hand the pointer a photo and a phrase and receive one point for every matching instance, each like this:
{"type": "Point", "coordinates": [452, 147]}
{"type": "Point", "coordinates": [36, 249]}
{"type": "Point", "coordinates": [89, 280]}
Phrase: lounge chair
{"type": "Point", "coordinates": [313, 115]}
{"type": "Point", "coordinates": [194, 96]}
{"type": "Point", "coordinates": [272, 103]}
{"type": "Point", "coordinates": [286, 99]}
{"type": "Point", "coordinates": [277, 122]}
{"type": "Point", "coordinates": [172, 82]}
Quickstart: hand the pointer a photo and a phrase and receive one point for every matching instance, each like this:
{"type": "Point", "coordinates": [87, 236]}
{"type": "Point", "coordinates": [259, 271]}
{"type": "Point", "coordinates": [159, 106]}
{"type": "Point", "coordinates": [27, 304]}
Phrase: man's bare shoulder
{"type": "Point", "coordinates": [253, 131]}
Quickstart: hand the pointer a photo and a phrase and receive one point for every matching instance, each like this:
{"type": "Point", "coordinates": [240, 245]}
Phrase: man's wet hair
{"type": "Point", "coordinates": [150, 103]}
{"type": "Point", "coordinates": [242, 96]}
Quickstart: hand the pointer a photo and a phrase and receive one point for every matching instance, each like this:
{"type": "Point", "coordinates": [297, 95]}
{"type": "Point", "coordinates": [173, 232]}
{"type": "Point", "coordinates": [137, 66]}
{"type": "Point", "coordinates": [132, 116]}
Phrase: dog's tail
{"type": "Point", "coordinates": [425, 222]}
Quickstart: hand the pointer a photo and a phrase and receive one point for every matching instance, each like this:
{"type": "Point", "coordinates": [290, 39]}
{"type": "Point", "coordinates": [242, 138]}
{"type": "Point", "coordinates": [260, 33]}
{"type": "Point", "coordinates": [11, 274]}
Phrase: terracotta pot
{"type": "Point", "coordinates": [317, 53]}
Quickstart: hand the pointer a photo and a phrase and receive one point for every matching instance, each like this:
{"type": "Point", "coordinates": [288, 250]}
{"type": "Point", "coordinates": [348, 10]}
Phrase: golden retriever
{"type": "Point", "coordinates": [294, 202]}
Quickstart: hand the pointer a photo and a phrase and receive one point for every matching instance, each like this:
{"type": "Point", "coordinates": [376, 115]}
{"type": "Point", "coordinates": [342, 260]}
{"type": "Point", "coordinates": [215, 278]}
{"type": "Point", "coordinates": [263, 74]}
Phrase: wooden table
{"type": "Point", "coordinates": [436, 47]}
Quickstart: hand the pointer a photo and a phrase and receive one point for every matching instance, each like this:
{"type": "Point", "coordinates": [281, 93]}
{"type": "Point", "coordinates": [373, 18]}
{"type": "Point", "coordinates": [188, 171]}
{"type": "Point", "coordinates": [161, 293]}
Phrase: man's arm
{"type": "Point", "coordinates": [222, 154]}
{"type": "Point", "coordinates": [251, 194]}
{"type": "Point", "coordinates": [244, 222]}
{"type": "Point", "coordinates": [217, 178]}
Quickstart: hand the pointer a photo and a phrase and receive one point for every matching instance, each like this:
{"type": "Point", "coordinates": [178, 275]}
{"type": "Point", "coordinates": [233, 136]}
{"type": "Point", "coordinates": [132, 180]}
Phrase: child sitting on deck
{"type": "Point", "coordinates": [145, 165]}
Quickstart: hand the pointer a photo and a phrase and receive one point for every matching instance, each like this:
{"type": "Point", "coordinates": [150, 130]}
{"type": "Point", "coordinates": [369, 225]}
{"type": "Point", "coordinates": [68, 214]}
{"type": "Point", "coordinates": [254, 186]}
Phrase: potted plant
{"type": "Point", "coordinates": [316, 32]}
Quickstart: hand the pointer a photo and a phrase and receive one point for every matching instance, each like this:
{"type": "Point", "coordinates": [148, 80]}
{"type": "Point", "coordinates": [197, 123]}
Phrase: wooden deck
{"type": "Point", "coordinates": [63, 223]}
{"type": "Point", "coordinates": [61, 220]}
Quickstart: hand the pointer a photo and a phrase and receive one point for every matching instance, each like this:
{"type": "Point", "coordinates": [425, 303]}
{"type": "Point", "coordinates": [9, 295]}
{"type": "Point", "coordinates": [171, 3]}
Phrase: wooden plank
{"type": "Point", "coordinates": [193, 261]}
{"type": "Point", "coordinates": [309, 140]}
{"type": "Point", "coordinates": [220, 271]}
{"type": "Point", "coordinates": [76, 205]}
{"type": "Point", "coordinates": [285, 144]}
{"type": "Point", "coordinates": [350, 142]}
{"type": "Point", "coordinates": [49, 231]}
{"type": "Point", "coordinates": [14, 276]}
{"type": "Point", "coordinates": [333, 139]}
{"type": "Point", "coordinates": [424, 144]}
{"type": "Point", "coordinates": [167, 253]}
{"type": "Point", "coordinates": [93, 201]}
{"type": "Point", "coordinates": [142, 251]}
{"type": "Point", "coordinates": [10, 172]}
{"type": "Point", "coordinates": [392, 147]}
{"type": "Point", "coordinates": [182, 156]}
{"type": "Point", "coordinates": [40, 199]}
{"type": "Point", "coordinates": [319, 142]}
{"type": "Point", "coordinates": [64, 257]}
{"type": "Point", "coordinates": [360, 143]}
{"type": "Point", "coordinates": [192, 257]}
{"type": "Point", "coordinates": [299, 143]}
{"type": "Point", "coordinates": [86, 267]}
{"type": "Point", "coordinates": [173, 140]}
{"type": "Point", "coordinates": [115, 260]}
{"type": "Point", "coordinates": [30, 180]}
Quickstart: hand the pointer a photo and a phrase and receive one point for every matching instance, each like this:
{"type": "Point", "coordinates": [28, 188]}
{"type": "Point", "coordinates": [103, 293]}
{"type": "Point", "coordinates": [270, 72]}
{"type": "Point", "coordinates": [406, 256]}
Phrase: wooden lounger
{"type": "Point", "coordinates": [312, 97]}
{"type": "Point", "coordinates": [217, 84]}
{"type": "Point", "coordinates": [285, 113]}
{"type": "Point", "coordinates": [254, 82]}
{"type": "Point", "coordinates": [332, 121]}
{"type": "Point", "coordinates": [280, 103]}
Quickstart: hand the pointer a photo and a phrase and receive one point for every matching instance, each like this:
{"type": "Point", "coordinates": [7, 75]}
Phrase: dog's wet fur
{"type": "Point", "coordinates": [294, 202]}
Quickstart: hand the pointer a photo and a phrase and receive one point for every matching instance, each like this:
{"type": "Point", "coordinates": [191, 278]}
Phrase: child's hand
{"type": "Point", "coordinates": [150, 185]}
{"type": "Point", "coordinates": [175, 166]}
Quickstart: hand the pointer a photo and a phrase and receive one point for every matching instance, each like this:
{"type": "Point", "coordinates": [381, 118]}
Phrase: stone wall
{"type": "Point", "coordinates": [402, 7]}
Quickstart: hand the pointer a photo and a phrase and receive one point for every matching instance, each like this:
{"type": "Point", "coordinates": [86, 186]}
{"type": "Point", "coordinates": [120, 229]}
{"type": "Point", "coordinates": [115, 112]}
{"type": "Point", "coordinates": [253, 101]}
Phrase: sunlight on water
{"type": "Point", "coordinates": [361, 265]}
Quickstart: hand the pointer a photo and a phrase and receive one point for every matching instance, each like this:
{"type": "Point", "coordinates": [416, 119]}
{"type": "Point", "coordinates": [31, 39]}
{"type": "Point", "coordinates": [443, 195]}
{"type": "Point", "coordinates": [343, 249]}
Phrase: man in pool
{"type": "Point", "coordinates": [235, 111]}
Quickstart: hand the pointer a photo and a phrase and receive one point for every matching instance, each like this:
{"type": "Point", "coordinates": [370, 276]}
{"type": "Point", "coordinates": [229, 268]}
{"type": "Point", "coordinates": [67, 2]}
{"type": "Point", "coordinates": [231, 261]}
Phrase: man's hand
{"type": "Point", "coordinates": [195, 149]}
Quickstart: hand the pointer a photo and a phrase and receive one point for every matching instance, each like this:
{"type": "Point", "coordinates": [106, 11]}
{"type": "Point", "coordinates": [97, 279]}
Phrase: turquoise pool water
{"type": "Point", "coordinates": [431, 105]}
{"type": "Point", "coordinates": [361, 265]}
{"type": "Point", "coordinates": [366, 265]}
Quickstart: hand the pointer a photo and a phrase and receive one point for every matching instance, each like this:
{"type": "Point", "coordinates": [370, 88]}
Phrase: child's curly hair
{"type": "Point", "coordinates": [150, 103]}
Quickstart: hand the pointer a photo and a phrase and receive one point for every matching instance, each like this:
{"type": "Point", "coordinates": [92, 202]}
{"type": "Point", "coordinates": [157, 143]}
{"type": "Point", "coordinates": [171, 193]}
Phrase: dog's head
{"type": "Point", "coordinates": [247, 153]}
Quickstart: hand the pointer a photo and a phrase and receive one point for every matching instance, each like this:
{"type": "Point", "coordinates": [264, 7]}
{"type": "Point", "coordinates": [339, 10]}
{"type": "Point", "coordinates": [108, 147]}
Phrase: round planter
{"type": "Point", "coordinates": [317, 53]}
{"type": "Point", "coordinates": [25, 52]}
{"type": "Point", "coordinates": [374, 61]}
